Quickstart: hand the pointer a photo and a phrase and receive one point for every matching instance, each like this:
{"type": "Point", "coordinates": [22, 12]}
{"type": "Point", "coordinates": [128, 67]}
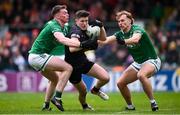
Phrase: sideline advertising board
{"type": "Point", "coordinates": [33, 82]}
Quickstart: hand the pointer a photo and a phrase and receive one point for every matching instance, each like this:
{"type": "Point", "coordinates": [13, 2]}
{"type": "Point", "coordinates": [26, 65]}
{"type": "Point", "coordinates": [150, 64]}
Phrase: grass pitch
{"type": "Point", "coordinates": [31, 103]}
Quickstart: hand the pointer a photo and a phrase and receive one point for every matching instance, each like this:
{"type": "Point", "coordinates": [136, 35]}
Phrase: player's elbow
{"type": "Point", "coordinates": [60, 37]}
{"type": "Point", "coordinates": [135, 40]}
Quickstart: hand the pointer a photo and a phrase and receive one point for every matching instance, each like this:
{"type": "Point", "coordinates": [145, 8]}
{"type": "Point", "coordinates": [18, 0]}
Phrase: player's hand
{"type": "Point", "coordinates": [93, 46]}
{"type": "Point", "coordinates": [96, 23]}
{"type": "Point", "coordinates": [120, 41]}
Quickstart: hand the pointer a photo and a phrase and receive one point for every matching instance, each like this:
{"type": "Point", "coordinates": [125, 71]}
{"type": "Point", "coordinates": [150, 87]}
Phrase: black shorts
{"type": "Point", "coordinates": [76, 75]}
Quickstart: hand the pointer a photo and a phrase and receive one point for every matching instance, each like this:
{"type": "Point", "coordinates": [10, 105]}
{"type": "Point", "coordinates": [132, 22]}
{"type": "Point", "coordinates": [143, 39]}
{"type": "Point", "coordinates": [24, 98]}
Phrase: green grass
{"type": "Point", "coordinates": [30, 103]}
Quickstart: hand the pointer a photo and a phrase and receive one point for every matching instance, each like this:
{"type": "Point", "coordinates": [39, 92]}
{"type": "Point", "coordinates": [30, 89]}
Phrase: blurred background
{"type": "Point", "coordinates": [22, 20]}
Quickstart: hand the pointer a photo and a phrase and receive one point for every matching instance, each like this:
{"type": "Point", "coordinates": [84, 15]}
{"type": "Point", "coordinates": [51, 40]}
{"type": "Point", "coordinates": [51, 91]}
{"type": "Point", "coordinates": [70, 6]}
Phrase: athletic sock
{"type": "Point", "coordinates": [58, 95]}
{"type": "Point", "coordinates": [46, 104]}
{"type": "Point", "coordinates": [84, 105]}
{"type": "Point", "coordinates": [152, 101]}
{"type": "Point", "coordinates": [96, 89]}
{"type": "Point", "coordinates": [130, 106]}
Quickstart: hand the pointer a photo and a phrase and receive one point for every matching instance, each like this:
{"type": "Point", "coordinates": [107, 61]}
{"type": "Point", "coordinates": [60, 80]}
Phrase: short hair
{"type": "Point", "coordinates": [56, 9]}
{"type": "Point", "coordinates": [81, 13]}
{"type": "Point", "coordinates": [128, 14]}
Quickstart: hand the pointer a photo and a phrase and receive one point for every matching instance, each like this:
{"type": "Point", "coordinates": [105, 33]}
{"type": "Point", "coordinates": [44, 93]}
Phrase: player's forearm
{"type": "Point", "coordinates": [66, 41]}
{"type": "Point", "coordinates": [107, 41]}
{"type": "Point", "coordinates": [69, 42]}
{"type": "Point", "coordinates": [102, 36]}
{"type": "Point", "coordinates": [110, 39]}
{"type": "Point", "coordinates": [134, 39]}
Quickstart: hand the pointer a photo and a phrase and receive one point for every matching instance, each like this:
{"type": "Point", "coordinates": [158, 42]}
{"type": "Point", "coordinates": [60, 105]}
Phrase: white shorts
{"type": "Point", "coordinates": [39, 61]}
{"type": "Point", "coordinates": [155, 62]}
{"type": "Point", "coordinates": [61, 57]}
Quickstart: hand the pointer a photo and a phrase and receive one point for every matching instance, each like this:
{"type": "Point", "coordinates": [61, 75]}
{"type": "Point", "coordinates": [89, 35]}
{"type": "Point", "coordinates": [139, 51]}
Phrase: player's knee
{"type": "Point", "coordinates": [141, 76]}
{"type": "Point", "coordinates": [105, 79]}
{"type": "Point", "coordinates": [69, 68]}
{"type": "Point", "coordinates": [120, 83]}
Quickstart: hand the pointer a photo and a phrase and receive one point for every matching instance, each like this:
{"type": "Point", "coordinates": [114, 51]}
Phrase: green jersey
{"type": "Point", "coordinates": [46, 42]}
{"type": "Point", "coordinates": [141, 51]}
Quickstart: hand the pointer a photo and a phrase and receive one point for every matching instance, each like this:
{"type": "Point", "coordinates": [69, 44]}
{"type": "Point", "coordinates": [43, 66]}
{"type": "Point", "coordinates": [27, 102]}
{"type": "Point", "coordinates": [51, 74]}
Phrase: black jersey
{"type": "Point", "coordinates": [78, 58]}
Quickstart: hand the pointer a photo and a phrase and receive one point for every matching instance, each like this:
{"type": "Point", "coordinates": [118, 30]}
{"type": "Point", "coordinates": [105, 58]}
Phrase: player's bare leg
{"type": "Point", "coordinates": [81, 87]}
{"type": "Point", "coordinates": [49, 91]}
{"type": "Point", "coordinates": [128, 76]}
{"type": "Point", "coordinates": [48, 95]}
{"type": "Point", "coordinates": [103, 77]}
{"type": "Point", "coordinates": [144, 73]}
{"type": "Point", "coordinates": [56, 64]}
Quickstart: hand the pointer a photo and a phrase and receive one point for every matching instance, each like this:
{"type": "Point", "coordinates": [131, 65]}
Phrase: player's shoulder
{"type": "Point", "coordinates": [75, 29]}
{"type": "Point", "coordinates": [53, 23]}
{"type": "Point", "coordinates": [67, 25]}
{"type": "Point", "coordinates": [120, 32]}
{"type": "Point", "coordinates": [137, 27]}
{"type": "Point", "coordinates": [50, 22]}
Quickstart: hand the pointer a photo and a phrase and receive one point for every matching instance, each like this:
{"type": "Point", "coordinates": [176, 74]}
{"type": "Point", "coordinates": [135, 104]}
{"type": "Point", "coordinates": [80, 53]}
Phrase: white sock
{"type": "Point", "coordinates": [130, 106]}
{"type": "Point", "coordinates": [58, 98]}
{"type": "Point", "coordinates": [152, 101]}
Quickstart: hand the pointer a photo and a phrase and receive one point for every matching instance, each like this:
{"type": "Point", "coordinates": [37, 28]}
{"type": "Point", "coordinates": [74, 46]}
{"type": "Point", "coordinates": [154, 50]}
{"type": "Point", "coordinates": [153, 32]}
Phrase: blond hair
{"type": "Point", "coordinates": [124, 12]}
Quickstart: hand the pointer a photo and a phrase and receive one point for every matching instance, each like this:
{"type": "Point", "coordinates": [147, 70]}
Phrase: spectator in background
{"type": "Point", "coordinates": [97, 12]}
{"type": "Point", "coordinates": [24, 45]}
{"type": "Point", "coordinates": [7, 63]}
{"type": "Point", "coordinates": [116, 56]}
{"type": "Point", "coordinates": [18, 59]}
{"type": "Point", "coordinates": [172, 57]}
{"type": "Point", "coordinates": [157, 13]}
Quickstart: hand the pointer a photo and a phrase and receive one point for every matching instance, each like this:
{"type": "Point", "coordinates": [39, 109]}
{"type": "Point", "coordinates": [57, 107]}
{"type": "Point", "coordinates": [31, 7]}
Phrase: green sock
{"type": "Point", "coordinates": [58, 95]}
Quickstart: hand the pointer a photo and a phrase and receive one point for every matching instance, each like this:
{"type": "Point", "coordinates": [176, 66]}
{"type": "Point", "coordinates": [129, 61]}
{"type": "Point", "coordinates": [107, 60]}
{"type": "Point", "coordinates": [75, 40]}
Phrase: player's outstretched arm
{"type": "Point", "coordinates": [66, 41]}
{"type": "Point", "coordinates": [134, 39]}
{"type": "Point", "coordinates": [109, 40]}
{"type": "Point", "coordinates": [75, 49]}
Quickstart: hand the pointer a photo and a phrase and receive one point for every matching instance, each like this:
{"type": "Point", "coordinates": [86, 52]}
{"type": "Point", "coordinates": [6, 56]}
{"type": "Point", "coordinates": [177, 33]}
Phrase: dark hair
{"type": "Point", "coordinates": [128, 14]}
{"type": "Point", "coordinates": [56, 9]}
{"type": "Point", "coordinates": [81, 13]}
